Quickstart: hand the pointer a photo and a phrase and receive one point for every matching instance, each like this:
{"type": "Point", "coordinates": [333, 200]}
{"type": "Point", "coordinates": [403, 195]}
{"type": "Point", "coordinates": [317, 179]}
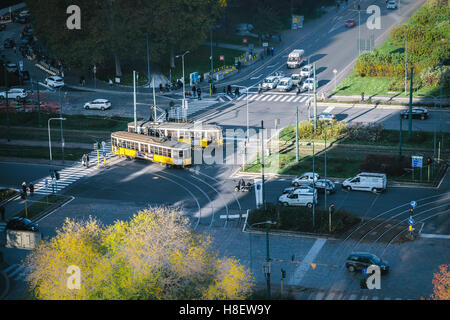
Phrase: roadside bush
{"type": "Point", "coordinates": [335, 130]}
{"type": "Point", "coordinates": [300, 219]}
{"type": "Point", "coordinates": [391, 165]}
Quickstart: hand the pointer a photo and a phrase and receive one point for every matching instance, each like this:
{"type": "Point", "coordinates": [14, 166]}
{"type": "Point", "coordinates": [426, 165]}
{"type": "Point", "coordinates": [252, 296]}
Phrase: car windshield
{"type": "Point", "coordinates": [305, 69]}
{"type": "Point", "coordinates": [376, 260]}
{"type": "Point", "coordinates": [294, 77]}
{"type": "Point", "coordinates": [349, 21]}
{"type": "Point", "coordinates": [268, 80]}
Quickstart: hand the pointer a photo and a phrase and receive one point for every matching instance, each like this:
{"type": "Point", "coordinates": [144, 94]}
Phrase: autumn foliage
{"type": "Point", "coordinates": [155, 255]}
{"type": "Point", "coordinates": [441, 283]}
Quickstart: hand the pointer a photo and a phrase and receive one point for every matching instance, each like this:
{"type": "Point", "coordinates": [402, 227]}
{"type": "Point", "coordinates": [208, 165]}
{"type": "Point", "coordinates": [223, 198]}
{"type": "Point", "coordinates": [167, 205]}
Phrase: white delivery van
{"type": "Point", "coordinates": [295, 58]}
{"type": "Point", "coordinates": [366, 181]}
{"type": "Point", "coordinates": [299, 197]}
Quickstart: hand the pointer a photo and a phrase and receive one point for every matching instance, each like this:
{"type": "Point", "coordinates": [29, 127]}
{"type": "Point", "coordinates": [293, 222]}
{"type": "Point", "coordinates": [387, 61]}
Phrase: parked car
{"type": "Point", "coordinates": [14, 93]}
{"type": "Point", "coordinates": [391, 5]}
{"type": "Point", "coordinates": [309, 84]}
{"type": "Point", "coordinates": [11, 67]}
{"type": "Point", "coordinates": [270, 82]}
{"type": "Point", "coordinates": [416, 113]}
{"type": "Point", "coordinates": [101, 104]}
{"type": "Point", "coordinates": [299, 197]}
{"type": "Point", "coordinates": [366, 181]}
{"type": "Point", "coordinates": [296, 79]}
{"type": "Point", "coordinates": [285, 84]}
{"type": "Point", "coordinates": [305, 179]}
{"type": "Point", "coordinates": [23, 224]}
{"type": "Point", "coordinates": [350, 23]}
{"type": "Point", "coordinates": [326, 116]}
{"type": "Point", "coordinates": [361, 260]}
{"type": "Point", "coordinates": [54, 81]}
{"type": "Point", "coordinates": [8, 43]}
{"type": "Point", "coordinates": [325, 186]}
{"type": "Point", "coordinates": [307, 71]}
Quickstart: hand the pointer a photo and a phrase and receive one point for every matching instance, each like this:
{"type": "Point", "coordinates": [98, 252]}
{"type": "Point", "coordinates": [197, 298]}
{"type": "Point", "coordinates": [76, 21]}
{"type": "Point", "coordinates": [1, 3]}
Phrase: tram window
{"type": "Point", "coordinates": [145, 147]}
{"type": "Point", "coordinates": [180, 153]}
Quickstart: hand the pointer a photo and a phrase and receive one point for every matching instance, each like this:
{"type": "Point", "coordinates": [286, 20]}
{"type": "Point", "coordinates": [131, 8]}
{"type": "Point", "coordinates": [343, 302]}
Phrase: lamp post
{"type": "Point", "coordinates": [49, 140]}
{"type": "Point", "coordinates": [326, 127]}
{"type": "Point", "coordinates": [267, 223]}
{"type": "Point", "coordinates": [406, 62]}
{"type": "Point", "coordinates": [314, 186]}
{"type": "Point", "coordinates": [184, 80]}
{"type": "Point", "coordinates": [246, 134]}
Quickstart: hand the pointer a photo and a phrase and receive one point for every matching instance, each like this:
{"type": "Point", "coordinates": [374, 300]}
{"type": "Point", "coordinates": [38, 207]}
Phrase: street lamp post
{"type": "Point", "coordinates": [246, 134]}
{"type": "Point", "coordinates": [406, 62]}
{"type": "Point", "coordinates": [314, 186]}
{"type": "Point", "coordinates": [184, 80]}
{"type": "Point", "coordinates": [267, 223]}
{"type": "Point", "coordinates": [326, 127]}
{"type": "Point", "coordinates": [49, 140]}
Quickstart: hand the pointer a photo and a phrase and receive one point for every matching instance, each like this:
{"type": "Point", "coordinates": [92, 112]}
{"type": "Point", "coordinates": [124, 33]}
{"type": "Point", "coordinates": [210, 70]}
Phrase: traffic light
{"type": "Point", "coordinates": [283, 274]}
{"type": "Point", "coordinates": [411, 211]}
{"type": "Point", "coordinates": [429, 160]}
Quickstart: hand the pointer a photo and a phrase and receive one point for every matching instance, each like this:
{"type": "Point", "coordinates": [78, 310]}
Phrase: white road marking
{"type": "Point", "coordinates": [254, 78]}
{"type": "Point", "coordinates": [434, 236]}
{"type": "Point", "coordinates": [301, 270]}
{"type": "Point", "coordinates": [265, 98]}
{"type": "Point", "coordinates": [278, 98]}
{"type": "Point", "coordinates": [328, 110]}
{"type": "Point", "coordinates": [284, 98]}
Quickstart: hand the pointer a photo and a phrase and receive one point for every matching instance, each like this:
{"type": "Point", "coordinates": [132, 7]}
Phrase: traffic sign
{"type": "Point", "coordinates": [104, 154]}
{"type": "Point", "coordinates": [410, 221]}
{"type": "Point", "coordinates": [413, 204]}
{"type": "Point", "coordinates": [244, 40]}
{"type": "Point", "coordinates": [417, 161]}
{"type": "Point", "coordinates": [222, 58]}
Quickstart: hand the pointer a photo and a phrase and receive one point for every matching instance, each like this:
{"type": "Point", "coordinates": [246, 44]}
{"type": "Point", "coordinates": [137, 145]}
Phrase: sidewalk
{"type": "Point", "coordinates": [393, 99]}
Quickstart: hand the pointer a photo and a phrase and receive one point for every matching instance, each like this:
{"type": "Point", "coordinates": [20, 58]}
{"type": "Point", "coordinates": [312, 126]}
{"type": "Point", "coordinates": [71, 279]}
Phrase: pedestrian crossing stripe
{"type": "Point", "coordinates": [16, 271]}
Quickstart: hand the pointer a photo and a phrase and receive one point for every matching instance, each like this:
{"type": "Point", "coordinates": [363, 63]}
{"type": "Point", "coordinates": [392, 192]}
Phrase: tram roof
{"type": "Point", "coordinates": [174, 125]}
{"type": "Point", "coordinates": [151, 140]}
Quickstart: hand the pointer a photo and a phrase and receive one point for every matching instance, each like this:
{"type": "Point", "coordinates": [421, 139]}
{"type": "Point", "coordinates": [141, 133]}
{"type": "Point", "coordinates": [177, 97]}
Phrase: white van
{"type": "Point", "coordinates": [366, 181]}
{"type": "Point", "coordinates": [295, 58]}
{"type": "Point", "coordinates": [299, 197]}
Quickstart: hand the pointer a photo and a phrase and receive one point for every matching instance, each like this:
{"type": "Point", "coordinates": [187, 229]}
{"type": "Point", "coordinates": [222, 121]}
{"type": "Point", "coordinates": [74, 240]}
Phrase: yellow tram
{"type": "Point", "coordinates": [162, 150]}
{"type": "Point", "coordinates": [191, 133]}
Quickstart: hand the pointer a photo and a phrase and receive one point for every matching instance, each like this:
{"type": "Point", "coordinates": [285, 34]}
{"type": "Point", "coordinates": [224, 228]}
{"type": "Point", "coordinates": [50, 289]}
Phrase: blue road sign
{"type": "Point", "coordinates": [410, 221]}
{"type": "Point", "coordinates": [104, 154]}
{"type": "Point", "coordinates": [413, 204]}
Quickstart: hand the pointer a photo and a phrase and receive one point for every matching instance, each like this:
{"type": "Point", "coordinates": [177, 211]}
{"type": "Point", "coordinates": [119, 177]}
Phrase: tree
{"type": "Point", "coordinates": [155, 255]}
{"type": "Point", "coordinates": [441, 283]}
{"type": "Point", "coordinates": [266, 21]}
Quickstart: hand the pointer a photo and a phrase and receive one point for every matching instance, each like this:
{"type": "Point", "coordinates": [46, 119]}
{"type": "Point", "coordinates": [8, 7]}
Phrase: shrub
{"type": "Point", "coordinates": [365, 132]}
{"type": "Point", "coordinates": [391, 165]}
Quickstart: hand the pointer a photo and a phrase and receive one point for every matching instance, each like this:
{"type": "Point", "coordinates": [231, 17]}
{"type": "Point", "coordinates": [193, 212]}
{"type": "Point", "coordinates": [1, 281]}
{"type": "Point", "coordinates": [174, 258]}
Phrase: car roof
{"type": "Point", "coordinates": [363, 254]}
{"type": "Point", "coordinates": [100, 100]}
{"type": "Point", "coordinates": [271, 77]}
{"type": "Point", "coordinates": [285, 79]}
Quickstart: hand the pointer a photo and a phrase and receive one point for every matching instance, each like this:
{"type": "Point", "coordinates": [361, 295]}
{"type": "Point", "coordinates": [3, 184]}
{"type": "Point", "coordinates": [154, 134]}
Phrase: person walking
{"type": "Point", "coordinates": [24, 187]}
{"type": "Point", "coordinates": [110, 83]}
{"type": "Point", "coordinates": [229, 89]}
{"type": "Point", "coordinates": [87, 160]}
{"type": "Point", "coordinates": [199, 93]}
{"type": "Point", "coordinates": [31, 187]}
{"type": "Point", "coordinates": [194, 90]}
{"type": "Point", "coordinates": [83, 159]}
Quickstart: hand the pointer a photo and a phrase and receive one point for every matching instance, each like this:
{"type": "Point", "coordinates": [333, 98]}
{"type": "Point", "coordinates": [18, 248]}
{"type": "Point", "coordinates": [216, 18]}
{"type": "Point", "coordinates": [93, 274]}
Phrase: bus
{"type": "Point", "coordinates": [161, 150]}
{"type": "Point", "coordinates": [195, 135]}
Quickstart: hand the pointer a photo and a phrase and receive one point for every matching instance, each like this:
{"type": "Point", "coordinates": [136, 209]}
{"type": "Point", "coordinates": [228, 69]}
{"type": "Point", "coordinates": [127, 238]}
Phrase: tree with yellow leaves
{"type": "Point", "coordinates": [155, 255]}
{"type": "Point", "coordinates": [441, 283]}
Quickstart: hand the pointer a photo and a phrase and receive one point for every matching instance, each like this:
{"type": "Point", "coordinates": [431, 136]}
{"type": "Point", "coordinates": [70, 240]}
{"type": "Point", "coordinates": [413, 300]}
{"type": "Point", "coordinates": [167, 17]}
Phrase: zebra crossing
{"type": "Point", "coordinates": [16, 272]}
{"type": "Point", "coordinates": [336, 295]}
{"type": "Point", "coordinates": [69, 175]}
{"type": "Point", "coordinates": [267, 97]}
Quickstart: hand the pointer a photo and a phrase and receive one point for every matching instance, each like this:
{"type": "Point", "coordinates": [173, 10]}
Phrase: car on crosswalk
{"type": "Point", "coordinates": [309, 84]}
{"type": "Point", "coordinates": [100, 104]}
{"type": "Point", "coordinates": [285, 84]}
{"type": "Point", "coordinates": [270, 83]}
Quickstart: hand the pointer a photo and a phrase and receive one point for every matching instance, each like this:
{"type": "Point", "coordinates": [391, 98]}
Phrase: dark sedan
{"type": "Point", "coordinates": [417, 113]}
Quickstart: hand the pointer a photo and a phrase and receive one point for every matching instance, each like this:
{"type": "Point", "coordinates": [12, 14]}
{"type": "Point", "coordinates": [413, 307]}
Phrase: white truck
{"type": "Point", "coordinates": [366, 181]}
{"type": "Point", "coordinates": [296, 58]}
{"type": "Point", "coordinates": [299, 197]}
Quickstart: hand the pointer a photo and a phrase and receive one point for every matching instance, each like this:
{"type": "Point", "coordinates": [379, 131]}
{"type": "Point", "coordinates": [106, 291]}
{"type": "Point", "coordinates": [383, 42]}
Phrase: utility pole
{"type": "Point", "coordinates": [134, 100]}
{"type": "Point", "coordinates": [314, 188]}
{"type": "Point", "coordinates": [296, 137]}
{"type": "Point", "coordinates": [267, 261]}
{"type": "Point", "coordinates": [148, 60]}
{"type": "Point", "coordinates": [61, 124]}
{"type": "Point", "coordinates": [154, 99]}
{"type": "Point", "coordinates": [400, 138]}
{"type": "Point", "coordinates": [315, 98]}
{"type": "Point", "coordinates": [326, 127]}
{"type": "Point", "coordinates": [211, 58]}
{"type": "Point", "coordinates": [262, 163]}
{"type": "Point", "coordinates": [406, 62]}
{"type": "Point", "coordinates": [7, 102]}
{"type": "Point", "coordinates": [410, 105]}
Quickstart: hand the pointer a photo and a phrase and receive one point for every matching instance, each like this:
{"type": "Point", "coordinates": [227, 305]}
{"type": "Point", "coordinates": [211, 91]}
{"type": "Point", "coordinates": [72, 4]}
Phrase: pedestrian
{"type": "Point", "coordinates": [87, 161]}
{"type": "Point", "coordinates": [24, 187]}
{"type": "Point", "coordinates": [271, 51]}
{"type": "Point", "coordinates": [83, 159]}
{"type": "Point", "coordinates": [83, 81]}
{"type": "Point", "coordinates": [2, 212]}
{"type": "Point", "coordinates": [236, 91]}
{"type": "Point", "coordinates": [199, 93]}
{"type": "Point", "coordinates": [239, 65]}
{"type": "Point", "coordinates": [110, 83]}
{"type": "Point", "coordinates": [362, 96]}
{"type": "Point", "coordinates": [31, 187]}
{"type": "Point", "coordinates": [160, 87]}
{"type": "Point", "coordinates": [214, 89]}
{"type": "Point", "coordinates": [259, 88]}
{"type": "Point", "coordinates": [229, 89]}
{"type": "Point", "coordinates": [194, 90]}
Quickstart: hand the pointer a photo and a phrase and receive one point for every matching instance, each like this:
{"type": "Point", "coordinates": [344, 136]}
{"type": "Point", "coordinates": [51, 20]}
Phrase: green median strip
{"type": "Point", "coordinates": [35, 208]}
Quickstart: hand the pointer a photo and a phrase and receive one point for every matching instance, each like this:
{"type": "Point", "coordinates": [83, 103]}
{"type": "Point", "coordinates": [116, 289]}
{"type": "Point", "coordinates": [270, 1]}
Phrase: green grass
{"type": "Point", "coordinates": [41, 152]}
{"type": "Point", "coordinates": [36, 207]}
{"type": "Point", "coordinates": [73, 122]}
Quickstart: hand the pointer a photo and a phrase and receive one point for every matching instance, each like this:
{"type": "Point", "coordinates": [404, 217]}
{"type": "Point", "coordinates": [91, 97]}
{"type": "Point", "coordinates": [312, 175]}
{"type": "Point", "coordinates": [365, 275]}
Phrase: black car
{"type": "Point", "coordinates": [325, 185]}
{"type": "Point", "coordinates": [23, 224]}
{"type": "Point", "coordinates": [361, 260]}
{"type": "Point", "coordinates": [9, 43]}
{"type": "Point", "coordinates": [417, 113]}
